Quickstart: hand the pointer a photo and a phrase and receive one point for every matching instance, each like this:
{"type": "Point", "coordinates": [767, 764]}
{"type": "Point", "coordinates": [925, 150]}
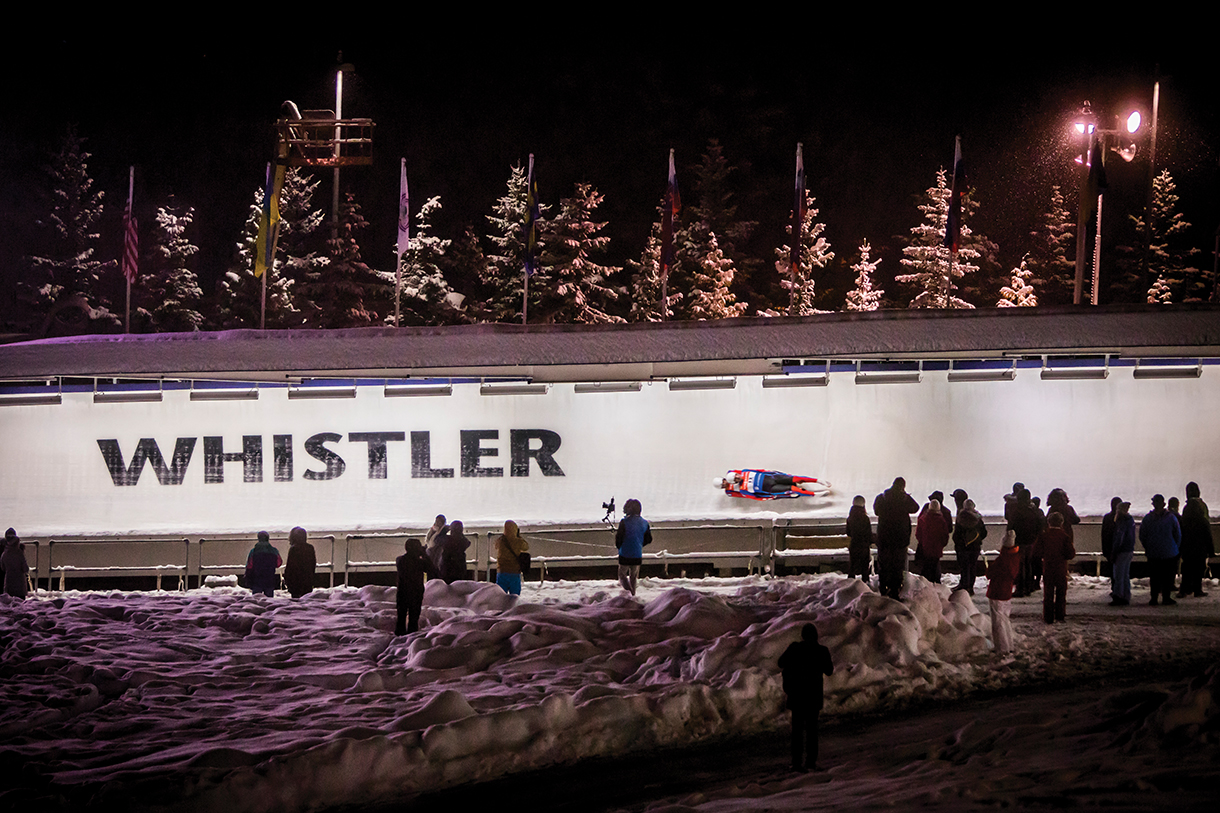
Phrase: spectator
{"type": "Point", "coordinates": [261, 565]}
{"type": "Point", "coordinates": [1054, 548]}
{"type": "Point", "coordinates": [13, 563]}
{"type": "Point", "coordinates": [1000, 577]}
{"type": "Point", "coordinates": [632, 535]}
{"type": "Point", "coordinates": [1122, 551]}
{"type": "Point", "coordinates": [860, 532]}
{"type": "Point", "coordinates": [432, 539]}
{"type": "Point", "coordinates": [1161, 537]}
{"type": "Point", "coordinates": [1197, 543]}
{"type": "Point", "coordinates": [893, 508]}
{"type": "Point", "coordinates": [509, 547]}
{"type": "Point", "coordinates": [1026, 522]}
{"type": "Point", "coordinates": [452, 545]}
{"type": "Point", "coordinates": [411, 566]}
{"type": "Point", "coordinates": [302, 563]}
{"type": "Point", "coordinates": [932, 536]}
{"type": "Point", "coordinates": [968, 534]}
{"type": "Point", "coordinates": [1107, 529]}
{"type": "Point", "coordinates": [803, 664]}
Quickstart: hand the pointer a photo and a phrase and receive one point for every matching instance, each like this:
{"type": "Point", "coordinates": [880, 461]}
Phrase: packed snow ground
{"type": "Point", "coordinates": [215, 699]}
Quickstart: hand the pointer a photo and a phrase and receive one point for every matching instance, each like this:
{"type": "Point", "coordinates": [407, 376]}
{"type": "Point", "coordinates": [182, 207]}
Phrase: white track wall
{"type": "Point", "coordinates": [1094, 438]}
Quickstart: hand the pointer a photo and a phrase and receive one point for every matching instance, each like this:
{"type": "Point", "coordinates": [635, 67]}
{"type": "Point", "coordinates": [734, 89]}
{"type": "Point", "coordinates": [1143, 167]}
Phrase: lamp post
{"type": "Point", "coordinates": [1093, 136]}
{"type": "Point", "coordinates": [343, 66]}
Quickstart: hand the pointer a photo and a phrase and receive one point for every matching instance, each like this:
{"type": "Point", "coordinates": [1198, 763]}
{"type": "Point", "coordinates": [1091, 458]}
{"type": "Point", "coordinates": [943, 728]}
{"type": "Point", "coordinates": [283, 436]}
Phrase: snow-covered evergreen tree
{"type": "Point", "coordinates": [67, 267]}
{"type": "Point", "coordinates": [1169, 257]}
{"type": "Point", "coordinates": [503, 280]}
{"type": "Point", "coordinates": [426, 294]}
{"type": "Point", "coordinates": [1019, 292]}
{"type": "Point", "coordinates": [167, 294]}
{"type": "Point", "coordinates": [646, 281]}
{"type": "Point", "coordinates": [864, 297]}
{"type": "Point", "coordinates": [344, 291]}
{"type": "Point", "coordinates": [716, 210]}
{"type": "Point", "coordinates": [302, 246]}
{"type": "Point", "coordinates": [1051, 259]}
{"type": "Point", "coordinates": [571, 286]}
{"type": "Point", "coordinates": [813, 256]}
{"type": "Point", "coordinates": [239, 292]}
{"type": "Point", "coordinates": [710, 297]}
{"type": "Point", "coordinates": [1160, 293]}
{"type": "Point", "coordinates": [928, 259]}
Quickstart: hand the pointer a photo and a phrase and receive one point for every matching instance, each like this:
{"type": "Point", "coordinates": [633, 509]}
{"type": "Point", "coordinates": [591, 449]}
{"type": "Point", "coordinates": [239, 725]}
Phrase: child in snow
{"type": "Point", "coordinates": [1001, 574]}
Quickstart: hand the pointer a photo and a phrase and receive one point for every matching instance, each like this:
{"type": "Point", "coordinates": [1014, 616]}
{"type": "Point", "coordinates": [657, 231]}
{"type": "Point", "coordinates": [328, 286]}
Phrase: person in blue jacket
{"type": "Point", "coordinates": [1161, 537]}
{"type": "Point", "coordinates": [1122, 551]}
{"type": "Point", "coordinates": [633, 534]}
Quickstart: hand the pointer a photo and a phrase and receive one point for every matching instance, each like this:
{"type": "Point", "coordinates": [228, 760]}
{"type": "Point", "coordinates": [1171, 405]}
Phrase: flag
{"type": "Point", "coordinates": [130, 242]}
{"type": "Point", "coordinates": [404, 213]}
{"type": "Point", "coordinates": [798, 214]}
{"type": "Point", "coordinates": [1095, 185]}
{"type": "Point", "coordinates": [532, 215]}
{"type": "Point", "coordinates": [670, 208]}
{"type": "Point", "coordinates": [269, 222]}
{"type": "Point", "coordinates": [953, 223]}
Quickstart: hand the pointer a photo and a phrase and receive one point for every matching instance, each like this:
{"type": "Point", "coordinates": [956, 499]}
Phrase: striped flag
{"type": "Point", "coordinates": [670, 209]}
{"type": "Point", "coordinates": [131, 241]}
{"type": "Point", "coordinates": [532, 215]}
{"type": "Point", "coordinates": [798, 215]}
{"type": "Point", "coordinates": [404, 213]}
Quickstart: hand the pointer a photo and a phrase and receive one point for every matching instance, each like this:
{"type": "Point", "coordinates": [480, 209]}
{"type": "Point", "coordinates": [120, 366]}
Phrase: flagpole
{"type": "Point", "coordinates": [531, 224]}
{"type": "Point", "coordinates": [404, 235]}
{"type": "Point", "coordinates": [131, 187]}
{"type": "Point", "coordinates": [798, 224]}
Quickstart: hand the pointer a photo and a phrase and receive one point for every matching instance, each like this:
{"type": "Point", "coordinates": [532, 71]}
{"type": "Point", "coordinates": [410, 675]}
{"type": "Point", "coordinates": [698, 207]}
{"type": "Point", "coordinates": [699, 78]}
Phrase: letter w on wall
{"type": "Point", "coordinates": [147, 450]}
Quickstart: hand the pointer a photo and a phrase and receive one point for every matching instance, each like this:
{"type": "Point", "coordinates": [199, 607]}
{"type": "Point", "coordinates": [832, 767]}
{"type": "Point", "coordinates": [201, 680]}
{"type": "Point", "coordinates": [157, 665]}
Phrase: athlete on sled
{"type": "Point", "coordinates": [755, 484]}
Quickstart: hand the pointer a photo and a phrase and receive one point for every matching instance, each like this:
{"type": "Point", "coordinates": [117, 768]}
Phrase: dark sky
{"type": "Point", "coordinates": [876, 106]}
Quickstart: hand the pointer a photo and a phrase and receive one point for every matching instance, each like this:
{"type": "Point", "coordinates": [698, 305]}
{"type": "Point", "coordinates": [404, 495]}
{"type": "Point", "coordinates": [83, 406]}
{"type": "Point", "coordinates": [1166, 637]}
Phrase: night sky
{"type": "Point", "coordinates": [876, 106]}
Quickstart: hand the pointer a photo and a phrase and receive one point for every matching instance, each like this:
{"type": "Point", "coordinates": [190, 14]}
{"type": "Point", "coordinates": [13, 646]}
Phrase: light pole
{"type": "Point", "coordinates": [1095, 141]}
{"type": "Point", "coordinates": [334, 209]}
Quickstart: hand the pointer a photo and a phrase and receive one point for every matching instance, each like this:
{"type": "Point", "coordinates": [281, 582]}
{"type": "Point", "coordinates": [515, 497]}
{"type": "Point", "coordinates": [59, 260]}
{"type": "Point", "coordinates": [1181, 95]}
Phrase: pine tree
{"type": "Point", "coordinates": [716, 210]}
{"type": "Point", "coordinates": [1169, 258]}
{"type": "Point", "coordinates": [302, 244]}
{"type": "Point", "coordinates": [1160, 292]}
{"type": "Point", "coordinates": [67, 269]}
{"type": "Point", "coordinates": [864, 297]}
{"type": "Point", "coordinates": [168, 293]}
{"type": "Point", "coordinates": [344, 291]}
{"type": "Point", "coordinates": [646, 281]}
{"type": "Point", "coordinates": [426, 295]}
{"type": "Point", "coordinates": [1019, 292]}
{"type": "Point", "coordinates": [928, 258]}
{"type": "Point", "coordinates": [239, 292]}
{"type": "Point", "coordinates": [710, 297]}
{"type": "Point", "coordinates": [1050, 260]}
{"type": "Point", "coordinates": [813, 256]}
{"type": "Point", "coordinates": [571, 286]}
{"type": "Point", "coordinates": [503, 280]}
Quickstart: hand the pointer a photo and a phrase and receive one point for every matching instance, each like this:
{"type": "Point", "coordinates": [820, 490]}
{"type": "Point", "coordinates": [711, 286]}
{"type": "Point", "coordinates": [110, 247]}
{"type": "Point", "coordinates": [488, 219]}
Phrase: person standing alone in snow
{"type": "Point", "coordinates": [411, 567]}
{"type": "Point", "coordinates": [632, 535]}
{"type": "Point", "coordinates": [803, 664]}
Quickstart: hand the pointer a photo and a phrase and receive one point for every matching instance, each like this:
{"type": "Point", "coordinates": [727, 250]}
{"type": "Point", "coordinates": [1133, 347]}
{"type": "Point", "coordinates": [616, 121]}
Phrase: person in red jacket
{"type": "Point", "coordinates": [932, 535]}
{"type": "Point", "coordinates": [1054, 547]}
{"type": "Point", "coordinates": [1001, 574]}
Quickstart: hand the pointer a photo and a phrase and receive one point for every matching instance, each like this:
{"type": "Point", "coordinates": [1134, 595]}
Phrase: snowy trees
{"type": "Point", "coordinates": [343, 291]}
{"type": "Point", "coordinates": [1018, 293]}
{"type": "Point", "coordinates": [571, 286]}
{"type": "Point", "coordinates": [813, 254]}
{"type": "Point", "coordinates": [646, 281]}
{"type": "Point", "coordinates": [67, 269]}
{"type": "Point", "coordinates": [1052, 267]}
{"type": "Point", "coordinates": [1169, 258]}
{"type": "Point", "coordinates": [928, 258]}
{"type": "Point", "coordinates": [425, 293]}
{"type": "Point", "coordinates": [502, 278]}
{"type": "Point", "coordinates": [709, 296]}
{"type": "Point", "coordinates": [1160, 293]}
{"type": "Point", "coordinates": [239, 292]}
{"type": "Point", "coordinates": [864, 297]}
{"type": "Point", "coordinates": [168, 292]}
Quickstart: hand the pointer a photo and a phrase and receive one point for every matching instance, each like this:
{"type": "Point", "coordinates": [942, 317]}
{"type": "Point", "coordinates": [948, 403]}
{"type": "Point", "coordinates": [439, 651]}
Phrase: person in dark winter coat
{"type": "Point", "coordinates": [968, 534]}
{"type": "Point", "coordinates": [452, 546]}
{"type": "Point", "coordinates": [509, 547]}
{"type": "Point", "coordinates": [632, 535]}
{"type": "Point", "coordinates": [1024, 519]}
{"type": "Point", "coordinates": [1058, 501]}
{"type": "Point", "coordinates": [432, 539]}
{"type": "Point", "coordinates": [893, 508]}
{"type": "Point", "coordinates": [1107, 529]}
{"type": "Point", "coordinates": [860, 533]}
{"type": "Point", "coordinates": [13, 563]}
{"type": "Point", "coordinates": [1197, 544]}
{"type": "Point", "coordinates": [932, 532]}
{"type": "Point", "coordinates": [1000, 577]}
{"type": "Point", "coordinates": [1161, 537]}
{"type": "Point", "coordinates": [1054, 547]}
{"type": "Point", "coordinates": [302, 563]}
{"type": "Point", "coordinates": [411, 566]}
{"type": "Point", "coordinates": [803, 664]}
{"type": "Point", "coordinates": [1122, 551]}
{"type": "Point", "coordinates": [261, 564]}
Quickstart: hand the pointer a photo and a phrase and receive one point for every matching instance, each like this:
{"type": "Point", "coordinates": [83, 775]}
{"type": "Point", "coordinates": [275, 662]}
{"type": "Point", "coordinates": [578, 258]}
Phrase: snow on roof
{"type": "Point", "coordinates": [605, 352]}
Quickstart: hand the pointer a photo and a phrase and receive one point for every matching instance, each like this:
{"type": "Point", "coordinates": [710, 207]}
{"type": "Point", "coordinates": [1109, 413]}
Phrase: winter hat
{"type": "Point", "coordinates": [1192, 490]}
{"type": "Point", "coordinates": [939, 496]}
{"type": "Point", "coordinates": [263, 536]}
{"type": "Point", "coordinates": [858, 500]}
{"type": "Point", "coordinates": [1158, 501]}
{"type": "Point", "coordinates": [11, 533]}
{"type": "Point", "coordinates": [510, 529]}
{"type": "Point", "coordinates": [959, 494]}
{"type": "Point", "coordinates": [934, 506]}
{"type": "Point", "coordinates": [968, 505]}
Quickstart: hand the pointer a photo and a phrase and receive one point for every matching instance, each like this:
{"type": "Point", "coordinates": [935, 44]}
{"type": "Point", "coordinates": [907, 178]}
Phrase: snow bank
{"type": "Point", "coordinates": [220, 700]}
